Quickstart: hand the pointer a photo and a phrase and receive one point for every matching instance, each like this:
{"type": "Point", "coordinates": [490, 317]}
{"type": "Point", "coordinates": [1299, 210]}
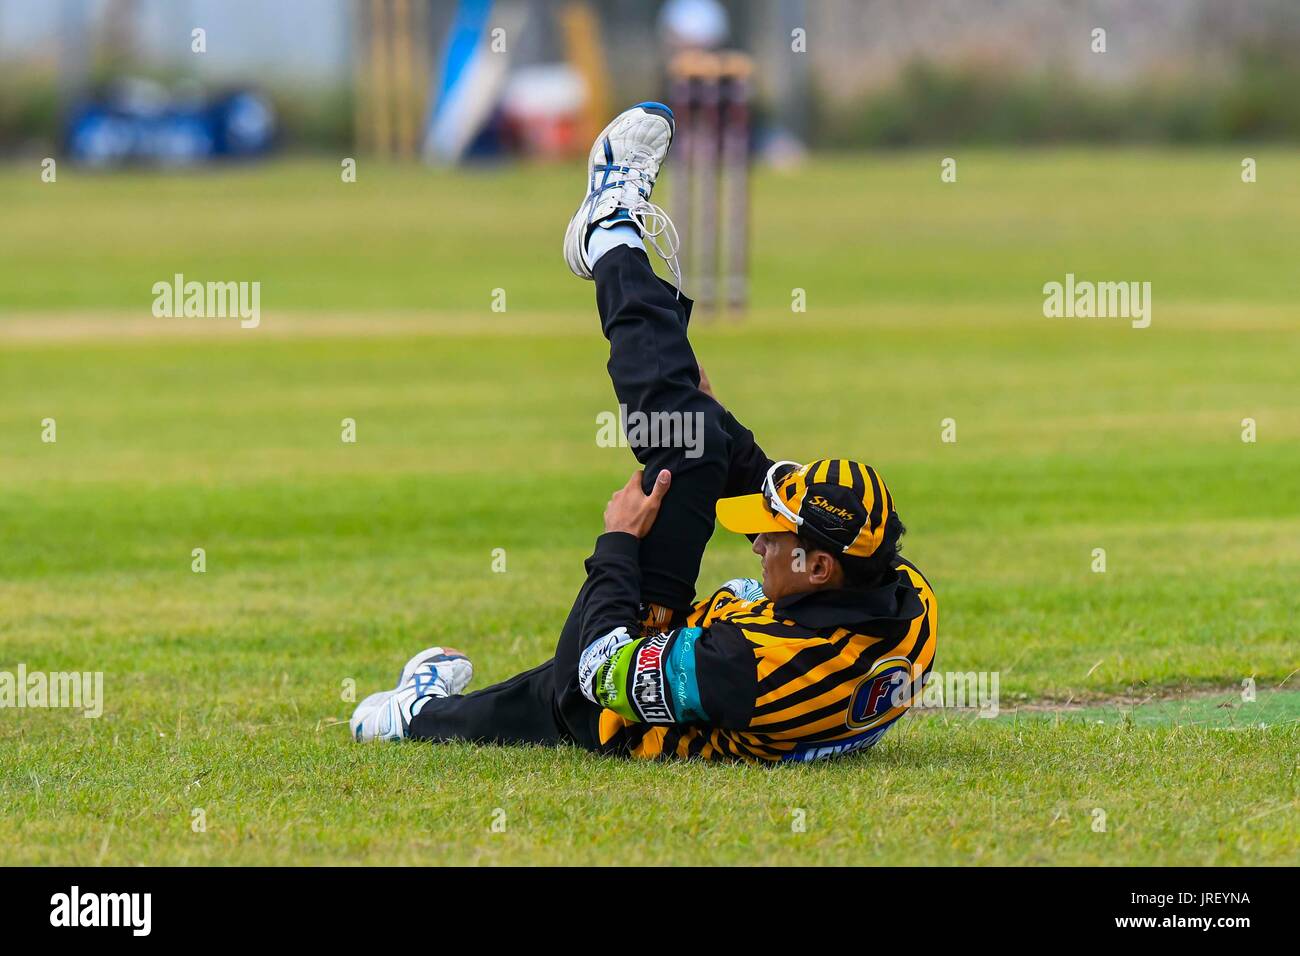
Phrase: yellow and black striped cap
{"type": "Point", "coordinates": [842, 504]}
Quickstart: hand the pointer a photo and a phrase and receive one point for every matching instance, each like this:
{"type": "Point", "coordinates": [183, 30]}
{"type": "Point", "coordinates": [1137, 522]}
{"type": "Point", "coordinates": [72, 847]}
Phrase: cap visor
{"type": "Point", "coordinates": [747, 514]}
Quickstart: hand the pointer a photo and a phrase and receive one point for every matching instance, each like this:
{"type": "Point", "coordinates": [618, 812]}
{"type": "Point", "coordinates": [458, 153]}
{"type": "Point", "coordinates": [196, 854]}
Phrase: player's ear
{"type": "Point", "coordinates": [821, 568]}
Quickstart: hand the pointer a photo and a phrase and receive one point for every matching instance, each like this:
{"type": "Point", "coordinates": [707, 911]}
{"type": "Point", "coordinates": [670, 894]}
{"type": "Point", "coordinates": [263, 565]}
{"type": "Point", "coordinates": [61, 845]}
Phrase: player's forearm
{"type": "Point", "coordinates": [610, 601]}
{"type": "Point", "coordinates": [612, 594]}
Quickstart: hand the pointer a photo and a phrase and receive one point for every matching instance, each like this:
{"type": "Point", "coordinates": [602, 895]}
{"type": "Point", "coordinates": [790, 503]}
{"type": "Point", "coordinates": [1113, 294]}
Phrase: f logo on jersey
{"type": "Point", "coordinates": [880, 695]}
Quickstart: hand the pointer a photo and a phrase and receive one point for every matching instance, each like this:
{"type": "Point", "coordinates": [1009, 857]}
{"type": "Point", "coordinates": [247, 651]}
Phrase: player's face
{"type": "Point", "coordinates": [789, 569]}
{"type": "Point", "coordinates": [784, 571]}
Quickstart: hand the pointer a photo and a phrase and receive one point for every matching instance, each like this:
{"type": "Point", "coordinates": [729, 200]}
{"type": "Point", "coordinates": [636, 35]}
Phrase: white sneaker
{"type": "Point", "coordinates": [621, 173]}
{"type": "Point", "coordinates": [434, 672]}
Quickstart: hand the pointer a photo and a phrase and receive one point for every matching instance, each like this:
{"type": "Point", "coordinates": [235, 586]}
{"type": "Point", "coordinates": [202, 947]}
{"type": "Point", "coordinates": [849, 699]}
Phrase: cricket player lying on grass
{"type": "Point", "coordinates": [819, 660]}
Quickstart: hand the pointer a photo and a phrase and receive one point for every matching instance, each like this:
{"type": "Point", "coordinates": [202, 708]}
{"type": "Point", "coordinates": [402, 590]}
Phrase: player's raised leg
{"type": "Point", "coordinates": [655, 374]}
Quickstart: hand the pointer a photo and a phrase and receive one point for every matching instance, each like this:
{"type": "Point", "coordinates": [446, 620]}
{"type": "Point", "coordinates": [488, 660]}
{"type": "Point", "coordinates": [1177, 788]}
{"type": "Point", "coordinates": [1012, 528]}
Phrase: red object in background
{"type": "Point", "coordinates": [543, 112]}
{"type": "Point", "coordinates": [544, 136]}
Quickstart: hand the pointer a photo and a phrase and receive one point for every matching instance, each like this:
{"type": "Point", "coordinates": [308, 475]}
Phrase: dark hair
{"type": "Point", "coordinates": [865, 573]}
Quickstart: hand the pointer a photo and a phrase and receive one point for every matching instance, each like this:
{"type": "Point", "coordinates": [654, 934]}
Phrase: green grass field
{"type": "Point", "coordinates": [476, 431]}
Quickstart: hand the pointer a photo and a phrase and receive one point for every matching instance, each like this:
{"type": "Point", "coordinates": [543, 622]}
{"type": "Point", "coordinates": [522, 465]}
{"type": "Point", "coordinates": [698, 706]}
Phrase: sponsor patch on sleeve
{"type": "Point", "coordinates": [596, 656]}
{"type": "Point", "coordinates": [683, 682]}
{"type": "Point", "coordinates": [650, 681]}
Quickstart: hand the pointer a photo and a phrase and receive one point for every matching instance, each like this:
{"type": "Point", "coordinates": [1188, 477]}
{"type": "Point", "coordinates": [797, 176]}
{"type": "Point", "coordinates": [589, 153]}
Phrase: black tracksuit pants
{"type": "Point", "coordinates": [653, 369]}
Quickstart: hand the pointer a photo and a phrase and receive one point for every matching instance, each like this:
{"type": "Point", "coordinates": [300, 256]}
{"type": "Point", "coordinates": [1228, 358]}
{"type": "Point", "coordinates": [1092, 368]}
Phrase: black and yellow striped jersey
{"type": "Point", "coordinates": [812, 675]}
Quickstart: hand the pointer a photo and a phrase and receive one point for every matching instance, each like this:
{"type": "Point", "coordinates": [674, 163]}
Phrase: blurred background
{"type": "Point", "coordinates": [115, 81]}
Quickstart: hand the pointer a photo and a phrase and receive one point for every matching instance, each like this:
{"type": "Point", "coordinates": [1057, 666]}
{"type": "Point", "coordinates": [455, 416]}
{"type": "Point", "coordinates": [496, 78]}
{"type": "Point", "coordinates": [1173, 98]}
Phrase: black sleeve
{"type": "Point", "coordinates": [714, 666]}
{"type": "Point", "coordinates": [612, 595]}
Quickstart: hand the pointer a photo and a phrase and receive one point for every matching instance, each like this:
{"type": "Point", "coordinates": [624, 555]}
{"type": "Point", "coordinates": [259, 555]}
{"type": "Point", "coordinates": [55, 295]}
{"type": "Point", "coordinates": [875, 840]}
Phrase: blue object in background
{"type": "Point", "coordinates": [128, 127]}
{"type": "Point", "coordinates": [465, 92]}
{"type": "Point", "coordinates": [243, 124]}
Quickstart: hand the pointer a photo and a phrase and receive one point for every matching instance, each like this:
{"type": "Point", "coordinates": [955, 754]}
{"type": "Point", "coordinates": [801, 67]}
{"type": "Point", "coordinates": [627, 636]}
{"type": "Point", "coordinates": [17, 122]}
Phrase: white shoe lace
{"type": "Point", "coordinates": [656, 226]}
